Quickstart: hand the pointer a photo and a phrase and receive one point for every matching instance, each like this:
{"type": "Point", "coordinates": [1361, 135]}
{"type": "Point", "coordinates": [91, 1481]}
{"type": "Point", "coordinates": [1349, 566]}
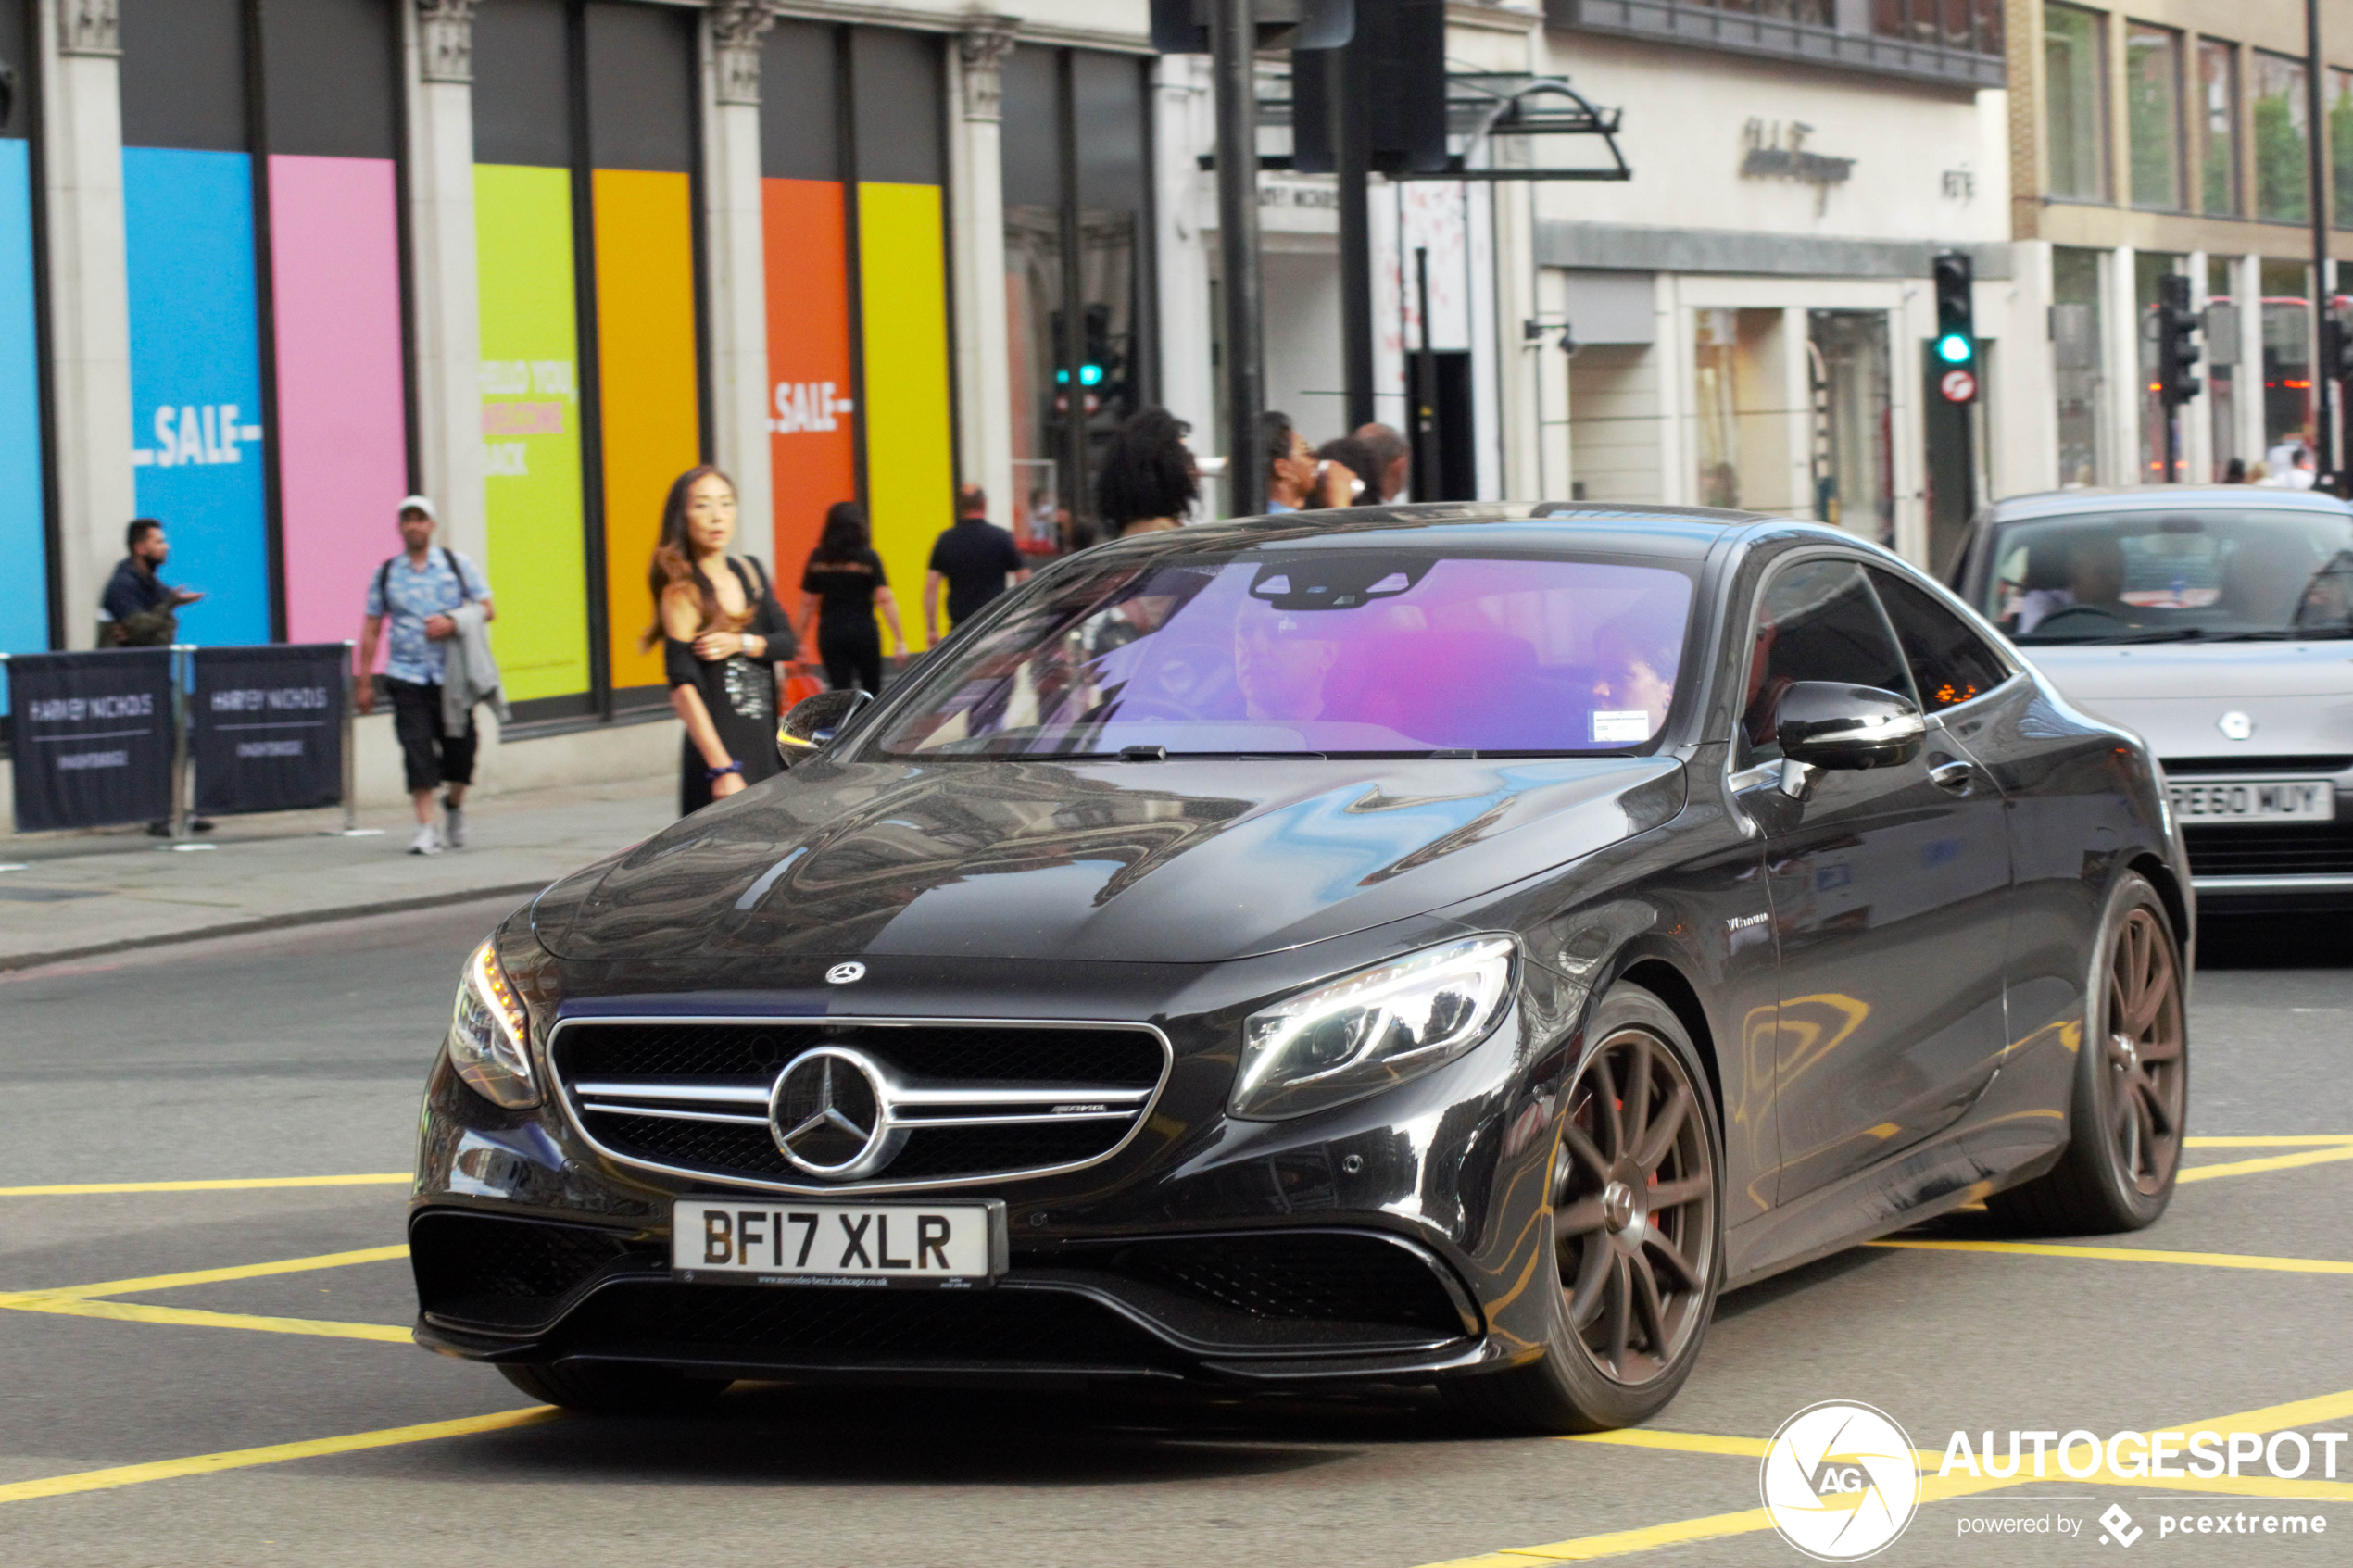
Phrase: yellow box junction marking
{"type": "Point", "coordinates": [1715, 1526]}
{"type": "Point", "coordinates": [232, 1184]}
{"type": "Point", "coordinates": [275, 1453]}
{"type": "Point", "coordinates": [2269, 1162]}
{"type": "Point", "coordinates": [2129, 1255]}
{"type": "Point", "coordinates": [2292, 1141]}
{"type": "Point", "coordinates": [85, 1300]}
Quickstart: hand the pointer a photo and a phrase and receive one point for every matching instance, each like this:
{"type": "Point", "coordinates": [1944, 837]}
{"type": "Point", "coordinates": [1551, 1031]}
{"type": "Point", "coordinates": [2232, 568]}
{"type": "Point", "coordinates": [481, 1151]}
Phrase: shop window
{"type": "Point", "coordinates": [2225, 345]}
{"type": "Point", "coordinates": [1853, 450]}
{"type": "Point", "coordinates": [2078, 374]}
{"type": "Point", "coordinates": [343, 453]}
{"type": "Point", "coordinates": [24, 543]}
{"type": "Point", "coordinates": [2075, 100]}
{"type": "Point", "coordinates": [2218, 85]}
{"type": "Point", "coordinates": [2282, 189]}
{"type": "Point", "coordinates": [2287, 362]}
{"type": "Point", "coordinates": [2153, 114]}
{"type": "Point", "coordinates": [1741, 423]}
{"type": "Point", "coordinates": [2149, 270]}
{"type": "Point", "coordinates": [194, 295]}
{"type": "Point", "coordinates": [2340, 87]}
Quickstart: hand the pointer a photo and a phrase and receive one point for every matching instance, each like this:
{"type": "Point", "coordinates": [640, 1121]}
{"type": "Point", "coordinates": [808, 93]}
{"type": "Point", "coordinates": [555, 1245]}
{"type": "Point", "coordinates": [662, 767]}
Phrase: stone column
{"type": "Point", "coordinates": [89, 312]}
{"type": "Point", "coordinates": [2126, 460]}
{"type": "Point", "coordinates": [2246, 287]}
{"type": "Point", "coordinates": [976, 231]}
{"type": "Point", "coordinates": [740, 384]}
{"type": "Point", "coordinates": [438, 39]}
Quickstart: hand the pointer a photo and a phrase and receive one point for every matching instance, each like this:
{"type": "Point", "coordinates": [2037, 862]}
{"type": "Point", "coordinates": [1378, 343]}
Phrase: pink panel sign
{"type": "Point", "coordinates": [343, 466]}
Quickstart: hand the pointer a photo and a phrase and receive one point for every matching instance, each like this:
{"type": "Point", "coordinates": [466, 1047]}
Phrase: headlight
{"type": "Point", "coordinates": [1377, 1027]}
{"type": "Point", "coordinates": [489, 1034]}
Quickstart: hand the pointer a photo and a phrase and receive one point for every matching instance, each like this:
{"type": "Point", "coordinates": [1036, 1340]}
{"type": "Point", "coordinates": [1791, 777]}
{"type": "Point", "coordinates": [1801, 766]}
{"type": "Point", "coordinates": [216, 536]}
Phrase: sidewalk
{"type": "Point", "coordinates": [81, 894]}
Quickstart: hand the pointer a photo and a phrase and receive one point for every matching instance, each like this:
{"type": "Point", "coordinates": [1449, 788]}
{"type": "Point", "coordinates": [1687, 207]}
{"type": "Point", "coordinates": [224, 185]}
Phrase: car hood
{"type": "Point", "coordinates": [2298, 697]}
{"type": "Point", "coordinates": [1179, 861]}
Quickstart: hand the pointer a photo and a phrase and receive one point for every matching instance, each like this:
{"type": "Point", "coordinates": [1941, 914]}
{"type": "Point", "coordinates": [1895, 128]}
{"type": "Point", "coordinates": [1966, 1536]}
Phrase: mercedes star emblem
{"type": "Point", "coordinates": [2235, 725]}
{"type": "Point", "coordinates": [845, 974]}
{"type": "Point", "coordinates": [830, 1113]}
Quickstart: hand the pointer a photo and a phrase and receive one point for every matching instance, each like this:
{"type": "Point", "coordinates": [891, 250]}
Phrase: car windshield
{"type": "Point", "coordinates": [2224, 574]}
{"type": "Point", "coordinates": [1336, 650]}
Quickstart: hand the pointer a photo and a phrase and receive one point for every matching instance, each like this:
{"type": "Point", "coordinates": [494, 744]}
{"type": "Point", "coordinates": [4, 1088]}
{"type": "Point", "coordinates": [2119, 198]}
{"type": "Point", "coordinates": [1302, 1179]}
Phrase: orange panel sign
{"type": "Point", "coordinates": [811, 411]}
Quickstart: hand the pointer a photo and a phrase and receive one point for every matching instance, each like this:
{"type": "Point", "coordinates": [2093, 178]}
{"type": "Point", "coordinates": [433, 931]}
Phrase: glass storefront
{"type": "Point", "coordinates": [2149, 267]}
{"type": "Point", "coordinates": [1740, 423]}
{"type": "Point", "coordinates": [1854, 451]}
{"type": "Point", "coordinates": [2287, 359]}
{"type": "Point", "coordinates": [2077, 375]}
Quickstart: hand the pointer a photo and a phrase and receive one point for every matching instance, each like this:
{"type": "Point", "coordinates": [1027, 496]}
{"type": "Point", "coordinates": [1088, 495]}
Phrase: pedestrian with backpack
{"type": "Point", "coordinates": [426, 596]}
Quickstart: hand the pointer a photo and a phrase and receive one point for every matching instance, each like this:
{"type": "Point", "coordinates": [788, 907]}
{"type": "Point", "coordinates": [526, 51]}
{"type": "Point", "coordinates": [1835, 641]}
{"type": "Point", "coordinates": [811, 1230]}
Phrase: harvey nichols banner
{"type": "Point", "coordinates": [93, 738]}
{"type": "Point", "coordinates": [265, 727]}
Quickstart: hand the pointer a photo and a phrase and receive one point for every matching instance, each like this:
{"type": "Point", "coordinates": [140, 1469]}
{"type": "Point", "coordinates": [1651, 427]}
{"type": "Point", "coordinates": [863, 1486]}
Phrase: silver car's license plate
{"type": "Point", "coordinates": [2208, 802]}
{"type": "Point", "coordinates": [747, 1241]}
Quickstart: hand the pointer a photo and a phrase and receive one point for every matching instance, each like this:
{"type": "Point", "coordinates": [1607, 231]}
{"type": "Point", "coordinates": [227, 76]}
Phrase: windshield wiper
{"type": "Point", "coordinates": [2291, 634]}
{"type": "Point", "coordinates": [2171, 634]}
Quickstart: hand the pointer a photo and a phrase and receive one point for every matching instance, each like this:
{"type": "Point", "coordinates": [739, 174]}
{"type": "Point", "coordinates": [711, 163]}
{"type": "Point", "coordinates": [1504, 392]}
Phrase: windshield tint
{"type": "Point", "coordinates": [2150, 576]}
{"type": "Point", "coordinates": [1321, 651]}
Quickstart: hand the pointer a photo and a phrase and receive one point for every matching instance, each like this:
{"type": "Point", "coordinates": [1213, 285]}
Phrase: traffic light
{"type": "Point", "coordinates": [1395, 68]}
{"type": "Point", "coordinates": [1956, 311]}
{"type": "Point", "coordinates": [2177, 327]}
{"type": "Point", "coordinates": [2336, 346]}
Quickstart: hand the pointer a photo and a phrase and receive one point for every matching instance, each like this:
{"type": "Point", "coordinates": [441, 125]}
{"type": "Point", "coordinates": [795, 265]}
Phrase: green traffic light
{"type": "Point", "coordinates": [1955, 348]}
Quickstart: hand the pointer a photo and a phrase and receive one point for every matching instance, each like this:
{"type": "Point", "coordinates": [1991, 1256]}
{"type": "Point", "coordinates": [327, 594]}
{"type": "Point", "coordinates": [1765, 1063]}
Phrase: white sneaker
{"type": "Point", "coordinates": [427, 842]}
{"type": "Point", "coordinates": [453, 825]}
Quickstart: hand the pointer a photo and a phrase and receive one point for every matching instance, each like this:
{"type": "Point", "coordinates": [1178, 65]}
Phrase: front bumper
{"type": "Point", "coordinates": [1386, 1241]}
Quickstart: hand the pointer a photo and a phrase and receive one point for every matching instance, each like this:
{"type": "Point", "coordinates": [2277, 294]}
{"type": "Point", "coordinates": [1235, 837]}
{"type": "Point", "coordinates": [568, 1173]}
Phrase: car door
{"type": "Point", "coordinates": [1889, 897]}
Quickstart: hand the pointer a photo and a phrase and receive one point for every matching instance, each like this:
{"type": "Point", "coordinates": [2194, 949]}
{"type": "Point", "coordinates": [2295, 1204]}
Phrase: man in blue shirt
{"type": "Point", "coordinates": [416, 592]}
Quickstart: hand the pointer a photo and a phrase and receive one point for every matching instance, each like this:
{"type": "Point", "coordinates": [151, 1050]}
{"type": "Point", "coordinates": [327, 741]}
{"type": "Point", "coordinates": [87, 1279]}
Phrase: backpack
{"type": "Point", "coordinates": [384, 576]}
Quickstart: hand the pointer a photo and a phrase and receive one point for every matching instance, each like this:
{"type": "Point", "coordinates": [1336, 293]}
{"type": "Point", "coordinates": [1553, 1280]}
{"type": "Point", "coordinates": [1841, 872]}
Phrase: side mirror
{"type": "Point", "coordinates": [813, 721]}
{"type": "Point", "coordinates": [1826, 724]}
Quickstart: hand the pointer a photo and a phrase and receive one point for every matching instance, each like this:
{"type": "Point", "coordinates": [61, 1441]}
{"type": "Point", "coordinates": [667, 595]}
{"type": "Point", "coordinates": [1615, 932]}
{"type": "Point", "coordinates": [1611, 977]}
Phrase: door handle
{"type": "Point", "coordinates": [1955, 777]}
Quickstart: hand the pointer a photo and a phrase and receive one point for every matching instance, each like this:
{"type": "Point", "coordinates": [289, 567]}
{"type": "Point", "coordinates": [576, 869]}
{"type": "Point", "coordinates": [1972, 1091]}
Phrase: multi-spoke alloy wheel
{"type": "Point", "coordinates": [2143, 1039]}
{"type": "Point", "coordinates": [1634, 1208]}
{"type": "Point", "coordinates": [2132, 1084]}
{"type": "Point", "coordinates": [1634, 1241]}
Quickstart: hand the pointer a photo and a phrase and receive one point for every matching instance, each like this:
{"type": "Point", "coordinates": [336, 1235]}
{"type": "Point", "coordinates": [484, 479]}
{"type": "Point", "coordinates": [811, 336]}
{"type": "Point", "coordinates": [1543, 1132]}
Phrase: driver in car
{"type": "Point", "coordinates": [2094, 581]}
{"type": "Point", "coordinates": [1279, 665]}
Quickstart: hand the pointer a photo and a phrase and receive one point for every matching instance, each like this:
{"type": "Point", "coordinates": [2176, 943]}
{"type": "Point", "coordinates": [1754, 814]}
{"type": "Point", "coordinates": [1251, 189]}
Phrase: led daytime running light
{"type": "Point", "coordinates": [490, 1033]}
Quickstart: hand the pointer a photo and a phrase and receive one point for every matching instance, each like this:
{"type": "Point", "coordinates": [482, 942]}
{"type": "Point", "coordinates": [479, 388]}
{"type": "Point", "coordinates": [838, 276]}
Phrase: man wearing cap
{"type": "Point", "coordinates": [418, 593]}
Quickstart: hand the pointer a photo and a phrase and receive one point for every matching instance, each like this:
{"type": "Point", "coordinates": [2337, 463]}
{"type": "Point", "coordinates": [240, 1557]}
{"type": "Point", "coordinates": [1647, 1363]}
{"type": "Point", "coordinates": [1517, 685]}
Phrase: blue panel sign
{"type": "Point", "coordinates": [196, 382]}
{"type": "Point", "coordinates": [24, 595]}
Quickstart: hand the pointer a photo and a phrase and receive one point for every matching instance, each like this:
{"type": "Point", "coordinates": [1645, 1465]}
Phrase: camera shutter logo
{"type": "Point", "coordinates": [1839, 1481]}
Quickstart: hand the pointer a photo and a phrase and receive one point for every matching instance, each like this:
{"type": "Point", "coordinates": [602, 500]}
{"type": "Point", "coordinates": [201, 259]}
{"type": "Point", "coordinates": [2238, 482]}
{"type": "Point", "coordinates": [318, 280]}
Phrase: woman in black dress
{"type": "Point", "coordinates": [845, 582]}
{"type": "Point", "coordinates": [722, 635]}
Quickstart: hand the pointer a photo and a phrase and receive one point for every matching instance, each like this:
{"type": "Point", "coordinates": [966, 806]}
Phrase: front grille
{"type": "Point", "coordinates": [813, 1326]}
{"type": "Point", "coordinates": [510, 1273]}
{"type": "Point", "coordinates": [976, 1101]}
{"type": "Point", "coordinates": [1325, 1277]}
{"type": "Point", "coordinates": [2283, 850]}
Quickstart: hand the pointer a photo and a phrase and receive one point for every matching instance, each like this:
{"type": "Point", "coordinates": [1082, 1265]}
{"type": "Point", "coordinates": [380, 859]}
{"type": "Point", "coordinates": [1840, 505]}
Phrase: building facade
{"type": "Point", "coordinates": [2175, 138]}
{"type": "Point", "coordinates": [267, 268]}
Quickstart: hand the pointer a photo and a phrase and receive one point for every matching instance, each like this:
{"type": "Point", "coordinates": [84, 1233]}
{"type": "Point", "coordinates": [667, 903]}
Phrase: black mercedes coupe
{"type": "Point", "coordinates": [1432, 945]}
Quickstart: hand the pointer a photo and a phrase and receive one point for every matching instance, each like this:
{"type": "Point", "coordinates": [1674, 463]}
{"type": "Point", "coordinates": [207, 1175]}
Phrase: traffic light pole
{"type": "Point", "coordinates": [2324, 413]}
{"type": "Point", "coordinates": [1232, 34]}
{"type": "Point", "coordinates": [1349, 90]}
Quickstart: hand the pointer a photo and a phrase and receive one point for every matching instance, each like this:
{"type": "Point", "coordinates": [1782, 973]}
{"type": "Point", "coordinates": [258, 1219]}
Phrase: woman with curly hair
{"type": "Point", "coordinates": [1148, 480]}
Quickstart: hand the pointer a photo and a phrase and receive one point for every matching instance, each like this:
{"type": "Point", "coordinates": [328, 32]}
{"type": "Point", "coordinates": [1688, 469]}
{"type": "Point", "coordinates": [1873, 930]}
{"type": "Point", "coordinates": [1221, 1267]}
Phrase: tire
{"type": "Point", "coordinates": [2132, 1083]}
{"type": "Point", "coordinates": [1638, 1275]}
{"type": "Point", "coordinates": [613, 1388]}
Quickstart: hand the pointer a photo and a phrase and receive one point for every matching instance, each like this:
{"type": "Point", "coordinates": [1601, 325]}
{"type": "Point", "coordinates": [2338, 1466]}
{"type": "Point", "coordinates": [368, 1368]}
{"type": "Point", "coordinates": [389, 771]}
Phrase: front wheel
{"type": "Point", "coordinates": [2132, 1083]}
{"type": "Point", "coordinates": [1636, 1237]}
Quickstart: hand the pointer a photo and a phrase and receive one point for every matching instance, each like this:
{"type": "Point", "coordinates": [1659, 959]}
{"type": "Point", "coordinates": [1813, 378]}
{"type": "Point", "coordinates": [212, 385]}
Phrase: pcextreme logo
{"type": "Point", "coordinates": [1839, 1481]}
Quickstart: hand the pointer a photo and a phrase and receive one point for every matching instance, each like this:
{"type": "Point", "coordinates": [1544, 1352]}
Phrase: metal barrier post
{"type": "Point", "coordinates": [179, 746]}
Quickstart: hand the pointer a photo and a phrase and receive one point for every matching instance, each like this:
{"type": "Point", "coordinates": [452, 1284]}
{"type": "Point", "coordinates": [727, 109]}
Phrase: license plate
{"type": "Point", "coordinates": [2214, 801]}
{"type": "Point", "coordinates": [735, 1241]}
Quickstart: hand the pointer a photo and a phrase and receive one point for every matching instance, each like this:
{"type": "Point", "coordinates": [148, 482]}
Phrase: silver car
{"type": "Point", "coordinates": [2218, 622]}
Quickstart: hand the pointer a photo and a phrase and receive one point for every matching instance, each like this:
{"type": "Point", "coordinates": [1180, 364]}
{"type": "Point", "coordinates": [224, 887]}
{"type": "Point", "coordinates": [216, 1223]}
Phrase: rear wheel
{"type": "Point", "coordinates": [613, 1388]}
{"type": "Point", "coordinates": [1635, 1239]}
{"type": "Point", "coordinates": [2132, 1084]}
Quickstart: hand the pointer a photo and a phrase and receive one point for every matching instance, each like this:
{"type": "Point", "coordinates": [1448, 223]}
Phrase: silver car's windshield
{"type": "Point", "coordinates": [2155, 576]}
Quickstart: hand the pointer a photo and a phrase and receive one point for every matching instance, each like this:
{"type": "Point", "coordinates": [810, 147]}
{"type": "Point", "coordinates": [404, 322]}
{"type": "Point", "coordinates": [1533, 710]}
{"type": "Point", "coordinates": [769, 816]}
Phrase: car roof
{"type": "Point", "coordinates": [2162, 498]}
{"type": "Point", "coordinates": [1677, 531]}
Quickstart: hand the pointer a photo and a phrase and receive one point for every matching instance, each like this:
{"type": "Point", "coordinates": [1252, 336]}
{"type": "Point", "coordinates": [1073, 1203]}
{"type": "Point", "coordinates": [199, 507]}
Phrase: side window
{"type": "Point", "coordinates": [1817, 621]}
{"type": "Point", "coordinates": [1950, 662]}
